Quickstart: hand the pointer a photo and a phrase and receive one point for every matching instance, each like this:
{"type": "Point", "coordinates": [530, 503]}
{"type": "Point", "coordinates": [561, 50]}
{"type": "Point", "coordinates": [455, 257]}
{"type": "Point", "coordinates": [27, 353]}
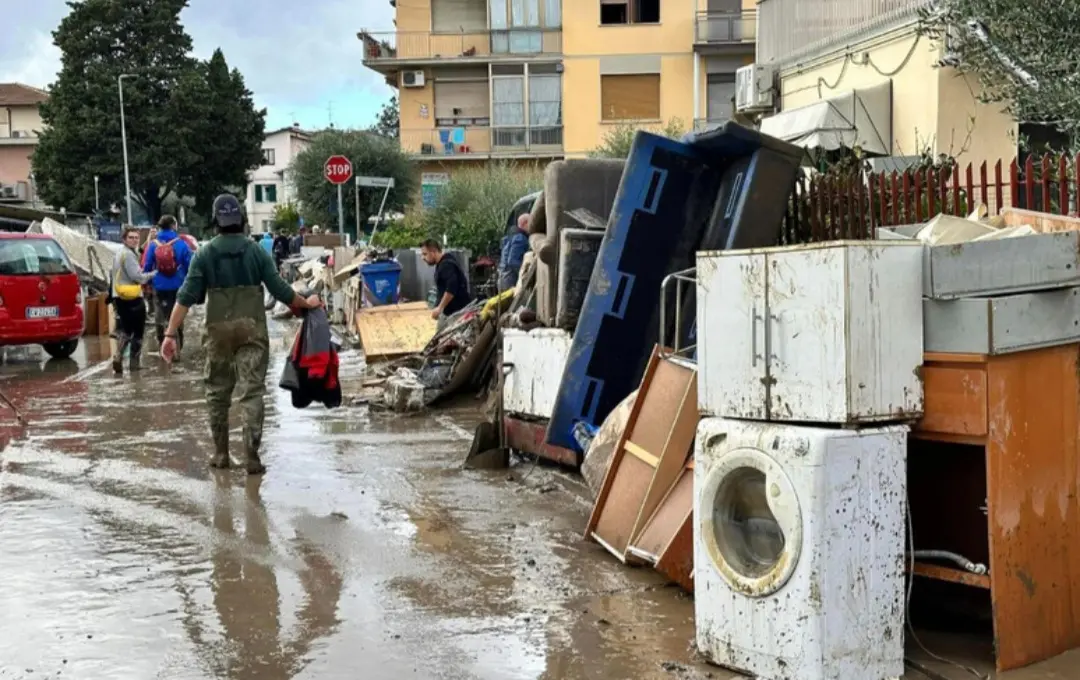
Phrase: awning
{"type": "Point", "coordinates": [860, 118]}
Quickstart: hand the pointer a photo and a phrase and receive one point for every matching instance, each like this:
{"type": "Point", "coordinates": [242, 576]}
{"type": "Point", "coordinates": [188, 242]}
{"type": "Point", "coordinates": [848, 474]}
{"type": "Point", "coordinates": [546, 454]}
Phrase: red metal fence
{"type": "Point", "coordinates": [826, 207]}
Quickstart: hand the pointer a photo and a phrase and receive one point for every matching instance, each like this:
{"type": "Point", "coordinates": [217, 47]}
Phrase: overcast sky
{"type": "Point", "coordinates": [300, 57]}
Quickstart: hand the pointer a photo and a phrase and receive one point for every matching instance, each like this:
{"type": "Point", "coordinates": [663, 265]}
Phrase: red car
{"type": "Point", "coordinates": [40, 295]}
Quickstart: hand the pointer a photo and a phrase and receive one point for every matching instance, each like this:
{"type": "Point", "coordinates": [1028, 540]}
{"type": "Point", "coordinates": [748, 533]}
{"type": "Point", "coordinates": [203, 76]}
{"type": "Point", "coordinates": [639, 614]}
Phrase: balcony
{"type": "Point", "coordinates": [387, 51]}
{"type": "Point", "coordinates": [481, 142]}
{"type": "Point", "coordinates": [800, 29]}
{"type": "Point", "coordinates": [725, 32]}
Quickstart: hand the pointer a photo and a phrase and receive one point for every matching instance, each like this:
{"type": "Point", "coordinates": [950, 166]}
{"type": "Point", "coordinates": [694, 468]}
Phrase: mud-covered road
{"type": "Point", "coordinates": [364, 553]}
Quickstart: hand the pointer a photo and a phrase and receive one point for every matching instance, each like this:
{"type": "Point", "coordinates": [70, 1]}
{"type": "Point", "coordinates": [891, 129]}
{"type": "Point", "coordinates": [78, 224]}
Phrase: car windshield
{"type": "Point", "coordinates": [25, 257]}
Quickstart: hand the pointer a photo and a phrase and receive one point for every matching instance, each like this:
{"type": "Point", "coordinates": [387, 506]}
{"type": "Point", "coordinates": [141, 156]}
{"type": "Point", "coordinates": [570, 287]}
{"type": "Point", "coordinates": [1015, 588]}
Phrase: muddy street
{"type": "Point", "coordinates": [364, 552]}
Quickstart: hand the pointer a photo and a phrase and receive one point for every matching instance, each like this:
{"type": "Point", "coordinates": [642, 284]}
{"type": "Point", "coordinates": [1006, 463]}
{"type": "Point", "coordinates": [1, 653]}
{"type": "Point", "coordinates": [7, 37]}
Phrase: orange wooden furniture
{"type": "Point", "coordinates": [1005, 431]}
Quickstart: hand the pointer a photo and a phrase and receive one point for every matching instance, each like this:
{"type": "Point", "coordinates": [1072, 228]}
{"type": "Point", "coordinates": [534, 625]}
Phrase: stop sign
{"type": "Point", "coordinates": [338, 169]}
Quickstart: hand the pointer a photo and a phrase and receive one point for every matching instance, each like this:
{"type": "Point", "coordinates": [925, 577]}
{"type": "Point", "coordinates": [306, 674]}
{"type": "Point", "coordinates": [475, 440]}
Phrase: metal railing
{"type": "Point", "coordinates": [794, 28]}
{"type": "Point", "coordinates": [483, 140]}
{"type": "Point", "coordinates": [391, 46]}
{"type": "Point", "coordinates": [725, 28]}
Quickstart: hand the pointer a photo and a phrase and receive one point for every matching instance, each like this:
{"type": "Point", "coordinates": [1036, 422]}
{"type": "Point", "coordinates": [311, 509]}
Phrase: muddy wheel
{"type": "Point", "coordinates": [61, 350]}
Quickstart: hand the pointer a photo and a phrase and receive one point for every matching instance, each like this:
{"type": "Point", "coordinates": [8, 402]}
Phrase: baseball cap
{"type": "Point", "coordinates": [227, 212]}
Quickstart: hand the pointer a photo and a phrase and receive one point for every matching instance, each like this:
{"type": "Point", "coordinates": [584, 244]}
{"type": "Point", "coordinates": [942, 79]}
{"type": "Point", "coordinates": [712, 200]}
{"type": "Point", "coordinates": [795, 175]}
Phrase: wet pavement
{"type": "Point", "coordinates": [365, 552]}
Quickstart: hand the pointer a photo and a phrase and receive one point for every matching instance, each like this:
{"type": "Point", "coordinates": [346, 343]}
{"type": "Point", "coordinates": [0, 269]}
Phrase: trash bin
{"type": "Point", "coordinates": [382, 279]}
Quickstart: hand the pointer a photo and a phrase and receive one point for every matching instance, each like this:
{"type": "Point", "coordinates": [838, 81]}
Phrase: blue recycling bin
{"type": "Point", "coordinates": [382, 279]}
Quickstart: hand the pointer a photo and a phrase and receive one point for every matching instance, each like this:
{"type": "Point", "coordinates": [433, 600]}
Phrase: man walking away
{"type": "Point", "coordinates": [281, 249]}
{"type": "Point", "coordinates": [170, 256]}
{"type": "Point", "coordinates": [451, 285]}
{"type": "Point", "coordinates": [296, 244]}
{"type": "Point", "coordinates": [513, 252]}
{"type": "Point", "coordinates": [229, 273]}
{"type": "Point", "coordinates": [127, 301]}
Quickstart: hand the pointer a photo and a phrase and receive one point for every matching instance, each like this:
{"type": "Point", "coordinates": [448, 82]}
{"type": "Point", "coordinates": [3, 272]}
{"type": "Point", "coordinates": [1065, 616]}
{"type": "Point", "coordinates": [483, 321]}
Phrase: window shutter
{"type": "Point", "coordinates": [630, 97]}
{"type": "Point", "coordinates": [471, 98]}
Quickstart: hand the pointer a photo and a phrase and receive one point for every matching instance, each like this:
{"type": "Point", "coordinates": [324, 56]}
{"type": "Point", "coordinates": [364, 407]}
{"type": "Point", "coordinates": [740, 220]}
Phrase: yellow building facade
{"type": "Point", "coordinates": [818, 54]}
{"type": "Point", "coordinates": [536, 80]}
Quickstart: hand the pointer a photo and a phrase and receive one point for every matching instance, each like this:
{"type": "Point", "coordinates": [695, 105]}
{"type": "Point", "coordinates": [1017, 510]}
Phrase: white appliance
{"type": "Point", "coordinates": [534, 363]}
{"type": "Point", "coordinates": [799, 549]}
{"type": "Point", "coordinates": [827, 333]}
{"type": "Point", "coordinates": [754, 88]}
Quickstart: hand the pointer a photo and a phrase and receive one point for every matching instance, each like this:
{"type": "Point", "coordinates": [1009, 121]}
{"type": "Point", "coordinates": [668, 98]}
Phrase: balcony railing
{"type": "Point", "coordinates": [725, 28]}
{"type": "Point", "coordinates": [391, 46]}
{"type": "Point", "coordinates": [466, 142]}
{"type": "Point", "coordinates": [797, 28]}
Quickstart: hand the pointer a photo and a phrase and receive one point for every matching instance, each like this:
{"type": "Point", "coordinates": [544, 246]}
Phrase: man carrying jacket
{"type": "Point", "coordinates": [170, 256]}
{"type": "Point", "coordinates": [229, 273]}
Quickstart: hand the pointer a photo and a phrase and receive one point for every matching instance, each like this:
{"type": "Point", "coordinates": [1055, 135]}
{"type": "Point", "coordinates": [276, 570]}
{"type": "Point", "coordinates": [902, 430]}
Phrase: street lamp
{"type": "Point", "coordinates": [97, 194]}
{"type": "Point", "coordinates": [123, 135]}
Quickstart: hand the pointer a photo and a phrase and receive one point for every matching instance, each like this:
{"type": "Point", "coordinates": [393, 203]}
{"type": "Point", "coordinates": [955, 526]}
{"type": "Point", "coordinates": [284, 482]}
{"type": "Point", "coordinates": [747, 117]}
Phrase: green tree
{"type": "Point", "coordinates": [167, 102]}
{"type": "Point", "coordinates": [371, 155]}
{"type": "Point", "coordinates": [1024, 54]}
{"type": "Point", "coordinates": [617, 141]}
{"type": "Point", "coordinates": [388, 124]}
{"type": "Point", "coordinates": [286, 218]}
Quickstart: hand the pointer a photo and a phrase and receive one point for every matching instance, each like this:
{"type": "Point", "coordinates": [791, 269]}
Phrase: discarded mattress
{"type": "Point", "coordinates": [726, 190]}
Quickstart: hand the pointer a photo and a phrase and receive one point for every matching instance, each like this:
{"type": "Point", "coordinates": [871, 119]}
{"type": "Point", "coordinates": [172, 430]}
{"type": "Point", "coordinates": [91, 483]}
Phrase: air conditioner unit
{"type": "Point", "coordinates": [754, 88]}
{"type": "Point", "coordinates": [412, 79]}
{"type": "Point", "coordinates": [8, 191]}
{"type": "Point", "coordinates": [20, 133]}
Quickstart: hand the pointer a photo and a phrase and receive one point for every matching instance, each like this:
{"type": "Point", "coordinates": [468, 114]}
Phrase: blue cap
{"type": "Point", "coordinates": [227, 211]}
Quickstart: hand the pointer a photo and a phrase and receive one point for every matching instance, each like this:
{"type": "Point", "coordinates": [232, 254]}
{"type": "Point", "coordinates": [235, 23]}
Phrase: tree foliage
{"type": "Point", "coordinates": [371, 155]}
{"type": "Point", "coordinates": [187, 126]}
{"type": "Point", "coordinates": [617, 141]}
{"type": "Point", "coordinates": [1024, 53]}
{"type": "Point", "coordinates": [286, 218]}
{"type": "Point", "coordinates": [388, 124]}
{"type": "Point", "coordinates": [472, 208]}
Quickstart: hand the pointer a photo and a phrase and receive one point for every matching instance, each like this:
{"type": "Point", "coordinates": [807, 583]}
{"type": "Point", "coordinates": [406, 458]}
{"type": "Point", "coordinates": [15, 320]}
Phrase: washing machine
{"type": "Point", "coordinates": [799, 536]}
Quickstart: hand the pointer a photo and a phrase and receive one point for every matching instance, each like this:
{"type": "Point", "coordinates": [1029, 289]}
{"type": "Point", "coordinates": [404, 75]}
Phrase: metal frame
{"type": "Point", "coordinates": [680, 278]}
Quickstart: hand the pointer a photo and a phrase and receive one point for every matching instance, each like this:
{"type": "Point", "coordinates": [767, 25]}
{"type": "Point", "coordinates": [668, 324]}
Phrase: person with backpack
{"type": "Point", "coordinates": [170, 256]}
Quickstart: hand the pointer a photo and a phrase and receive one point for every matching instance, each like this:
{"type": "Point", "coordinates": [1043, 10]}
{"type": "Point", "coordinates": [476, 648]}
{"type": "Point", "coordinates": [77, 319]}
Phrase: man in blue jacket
{"type": "Point", "coordinates": [513, 252]}
{"type": "Point", "coordinates": [170, 256]}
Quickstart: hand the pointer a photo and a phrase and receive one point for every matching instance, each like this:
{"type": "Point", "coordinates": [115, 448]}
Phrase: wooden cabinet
{"type": "Point", "coordinates": [1022, 412]}
{"type": "Point", "coordinates": [829, 333]}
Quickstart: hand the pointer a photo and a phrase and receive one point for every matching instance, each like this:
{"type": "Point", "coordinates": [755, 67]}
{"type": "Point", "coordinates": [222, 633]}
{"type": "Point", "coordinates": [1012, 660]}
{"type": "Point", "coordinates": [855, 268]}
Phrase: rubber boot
{"type": "Point", "coordinates": [254, 464]}
{"type": "Point", "coordinates": [220, 461]}
{"type": "Point", "coordinates": [252, 441]}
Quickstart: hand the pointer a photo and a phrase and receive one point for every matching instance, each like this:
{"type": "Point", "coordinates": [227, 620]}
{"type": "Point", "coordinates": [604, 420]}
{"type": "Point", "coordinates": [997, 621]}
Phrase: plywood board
{"type": "Point", "coordinates": [394, 330]}
{"type": "Point", "coordinates": [661, 527]}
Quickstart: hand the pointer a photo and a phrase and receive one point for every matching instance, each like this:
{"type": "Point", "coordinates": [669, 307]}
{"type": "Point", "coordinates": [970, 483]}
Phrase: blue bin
{"type": "Point", "coordinates": [382, 279]}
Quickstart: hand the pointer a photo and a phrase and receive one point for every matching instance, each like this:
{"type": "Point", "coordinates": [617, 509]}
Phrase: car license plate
{"type": "Point", "coordinates": [42, 312]}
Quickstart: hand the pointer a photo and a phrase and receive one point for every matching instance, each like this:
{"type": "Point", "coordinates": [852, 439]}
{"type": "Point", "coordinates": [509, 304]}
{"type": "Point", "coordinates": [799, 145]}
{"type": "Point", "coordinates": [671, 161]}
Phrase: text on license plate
{"type": "Point", "coordinates": [42, 312]}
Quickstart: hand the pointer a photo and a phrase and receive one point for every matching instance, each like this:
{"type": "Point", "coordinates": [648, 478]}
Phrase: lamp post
{"type": "Point", "coordinates": [97, 194]}
{"type": "Point", "coordinates": [123, 135]}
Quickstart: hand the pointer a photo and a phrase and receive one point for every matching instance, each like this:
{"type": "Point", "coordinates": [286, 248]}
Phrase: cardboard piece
{"type": "Point", "coordinates": [650, 455]}
{"type": "Point", "coordinates": [394, 330]}
{"type": "Point", "coordinates": [96, 316]}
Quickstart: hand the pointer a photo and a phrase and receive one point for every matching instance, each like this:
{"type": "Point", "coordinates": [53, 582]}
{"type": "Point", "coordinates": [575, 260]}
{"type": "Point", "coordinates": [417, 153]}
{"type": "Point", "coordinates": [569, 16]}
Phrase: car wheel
{"type": "Point", "coordinates": [61, 350]}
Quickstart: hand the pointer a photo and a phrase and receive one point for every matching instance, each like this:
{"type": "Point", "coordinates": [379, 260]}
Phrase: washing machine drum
{"type": "Point", "coordinates": [751, 522]}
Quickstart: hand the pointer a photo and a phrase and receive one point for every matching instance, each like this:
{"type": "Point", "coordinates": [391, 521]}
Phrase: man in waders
{"type": "Point", "coordinates": [229, 273]}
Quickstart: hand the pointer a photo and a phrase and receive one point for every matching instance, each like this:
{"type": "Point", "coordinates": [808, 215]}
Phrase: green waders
{"type": "Point", "coordinates": [237, 356]}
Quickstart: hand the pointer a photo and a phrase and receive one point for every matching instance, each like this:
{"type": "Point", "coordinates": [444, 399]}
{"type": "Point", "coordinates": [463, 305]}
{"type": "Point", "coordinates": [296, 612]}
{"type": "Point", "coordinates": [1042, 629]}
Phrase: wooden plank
{"type": "Point", "coordinates": [394, 330]}
{"type": "Point", "coordinates": [640, 453]}
{"type": "Point", "coordinates": [661, 527]}
{"type": "Point", "coordinates": [960, 576]}
{"type": "Point", "coordinates": [950, 358]}
{"type": "Point", "coordinates": [1033, 482]}
{"type": "Point", "coordinates": [955, 400]}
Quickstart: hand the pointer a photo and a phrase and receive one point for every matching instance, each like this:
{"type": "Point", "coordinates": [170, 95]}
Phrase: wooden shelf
{"type": "Point", "coordinates": [952, 575]}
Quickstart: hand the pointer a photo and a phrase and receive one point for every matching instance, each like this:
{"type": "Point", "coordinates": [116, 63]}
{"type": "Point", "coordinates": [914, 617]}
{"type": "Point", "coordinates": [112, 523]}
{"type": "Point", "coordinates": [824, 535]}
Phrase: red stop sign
{"type": "Point", "coordinates": [338, 169]}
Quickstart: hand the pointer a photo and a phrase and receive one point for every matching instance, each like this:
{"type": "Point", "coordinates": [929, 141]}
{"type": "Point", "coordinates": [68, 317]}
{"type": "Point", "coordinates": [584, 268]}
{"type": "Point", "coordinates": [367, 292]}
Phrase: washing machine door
{"type": "Point", "coordinates": [750, 522]}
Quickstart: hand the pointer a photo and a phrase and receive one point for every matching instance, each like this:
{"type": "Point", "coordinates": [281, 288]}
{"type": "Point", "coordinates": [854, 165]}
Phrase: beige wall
{"type": "Point", "coordinates": [15, 163]}
{"type": "Point", "coordinates": [934, 109]}
{"type": "Point", "coordinates": [23, 119]}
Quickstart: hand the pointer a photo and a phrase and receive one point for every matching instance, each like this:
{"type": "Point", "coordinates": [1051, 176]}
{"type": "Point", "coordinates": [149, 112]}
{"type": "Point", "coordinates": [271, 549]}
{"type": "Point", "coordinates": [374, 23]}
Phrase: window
{"type": "Point", "coordinates": [720, 97]}
{"type": "Point", "coordinates": [461, 103]}
{"type": "Point", "coordinates": [621, 12]}
{"type": "Point", "coordinates": [32, 257]}
{"type": "Point", "coordinates": [268, 157]}
{"type": "Point", "coordinates": [508, 110]}
{"type": "Point", "coordinates": [545, 109]}
{"type": "Point", "coordinates": [266, 193]}
{"type": "Point", "coordinates": [630, 97]}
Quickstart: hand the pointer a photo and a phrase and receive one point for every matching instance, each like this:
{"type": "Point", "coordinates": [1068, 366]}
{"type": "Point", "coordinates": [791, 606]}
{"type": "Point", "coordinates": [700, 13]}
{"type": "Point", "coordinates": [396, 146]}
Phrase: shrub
{"type": "Point", "coordinates": [618, 140]}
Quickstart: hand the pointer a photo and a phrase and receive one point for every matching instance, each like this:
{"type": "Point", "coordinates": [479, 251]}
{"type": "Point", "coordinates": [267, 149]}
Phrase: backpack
{"type": "Point", "coordinates": [165, 258]}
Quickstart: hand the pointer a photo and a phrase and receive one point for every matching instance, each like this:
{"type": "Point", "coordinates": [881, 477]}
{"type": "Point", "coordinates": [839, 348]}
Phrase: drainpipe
{"type": "Point", "coordinates": [697, 88]}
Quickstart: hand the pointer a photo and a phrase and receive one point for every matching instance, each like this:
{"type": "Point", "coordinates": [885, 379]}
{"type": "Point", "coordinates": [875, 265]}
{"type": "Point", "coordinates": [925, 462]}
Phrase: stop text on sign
{"type": "Point", "coordinates": [338, 169]}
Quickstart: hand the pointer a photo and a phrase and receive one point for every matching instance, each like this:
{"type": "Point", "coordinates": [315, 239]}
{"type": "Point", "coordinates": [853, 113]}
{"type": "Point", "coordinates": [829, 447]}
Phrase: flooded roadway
{"type": "Point", "coordinates": [365, 552]}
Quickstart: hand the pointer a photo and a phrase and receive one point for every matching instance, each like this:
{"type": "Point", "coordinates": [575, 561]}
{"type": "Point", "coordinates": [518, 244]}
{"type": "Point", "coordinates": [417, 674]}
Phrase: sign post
{"type": "Point", "coordinates": [338, 170]}
{"type": "Point", "coordinates": [375, 183]}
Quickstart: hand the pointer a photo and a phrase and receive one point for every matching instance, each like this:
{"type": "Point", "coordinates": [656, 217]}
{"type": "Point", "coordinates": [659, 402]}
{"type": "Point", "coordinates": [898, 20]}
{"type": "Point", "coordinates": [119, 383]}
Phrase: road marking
{"type": "Point", "coordinates": [88, 372]}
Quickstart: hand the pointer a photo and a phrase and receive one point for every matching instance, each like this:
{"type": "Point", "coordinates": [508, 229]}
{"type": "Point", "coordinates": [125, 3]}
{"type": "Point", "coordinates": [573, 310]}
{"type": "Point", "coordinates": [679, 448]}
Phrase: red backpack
{"type": "Point", "coordinates": [165, 258]}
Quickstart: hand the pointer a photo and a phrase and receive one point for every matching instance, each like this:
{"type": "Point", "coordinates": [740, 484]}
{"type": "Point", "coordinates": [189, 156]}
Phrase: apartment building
{"type": "Point", "coordinates": [20, 122]}
{"type": "Point", "coordinates": [269, 185]}
{"type": "Point", "coordinates": [858, 72]}
{"type": "Point", "coordinates": [535, 80]}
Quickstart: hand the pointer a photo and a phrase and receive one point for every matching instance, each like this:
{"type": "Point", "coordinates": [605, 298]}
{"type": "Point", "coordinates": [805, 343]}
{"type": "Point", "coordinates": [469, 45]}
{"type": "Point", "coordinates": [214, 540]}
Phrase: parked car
{"type": "Point", "coordinates": [40, 295]}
